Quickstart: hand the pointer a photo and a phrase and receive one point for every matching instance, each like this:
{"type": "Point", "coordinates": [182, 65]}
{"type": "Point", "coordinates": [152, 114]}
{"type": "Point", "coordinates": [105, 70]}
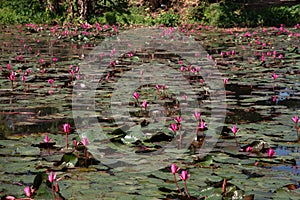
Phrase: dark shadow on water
{"type": "Point", "coordinates": [27, 121]}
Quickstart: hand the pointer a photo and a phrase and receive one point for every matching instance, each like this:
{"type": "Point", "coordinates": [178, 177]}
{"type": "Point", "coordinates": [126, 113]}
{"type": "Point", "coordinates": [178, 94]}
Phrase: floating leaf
{"type": "Point", "coordinates": [69, 160]}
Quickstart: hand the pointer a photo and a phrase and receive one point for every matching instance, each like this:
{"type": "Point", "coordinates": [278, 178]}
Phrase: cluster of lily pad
{"type": "Point", "coordinates": [261, 53]}
{"type": "Point", "coordinates": [76, 156]}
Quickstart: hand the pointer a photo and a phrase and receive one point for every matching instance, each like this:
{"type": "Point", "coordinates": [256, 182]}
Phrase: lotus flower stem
{"type": "Point", "coordinates": [186, 189]}
{"type": "Point", "coordinates": [53, 195]}
{"type": "Point", "coordinates": [296, 120]}
{"type": "Point", "coordinates": [236, 142]}
{"type": "Point", "coordinates": [234, 129]}
{"type": "Point", "coordinates": [297, 132]}
{"type": "Point", "coordinates": [85, 157]}
{"type": "Point", "coordinates": [179, 130]}
{"type": "Point", "coordinates": [175, 180]}
{"type": "Point", "coordinates": [224, 187]}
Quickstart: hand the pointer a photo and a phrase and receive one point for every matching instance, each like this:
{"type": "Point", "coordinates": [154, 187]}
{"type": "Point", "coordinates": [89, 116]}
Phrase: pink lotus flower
{"type": "Point", "coordinates": [130, 54]}
{"type": "Point", "coordinates": [75, 143]}
{"type": "Point", "coordinates": [271, 153]}
{"type": "Point", "coordinates": [66, 128]}
{"type": "Point", "coordinates": [85, 141]}
{"type": "Point", "coordinates": [107, 76]}
{"type": "Point", "coordinates": [249, 149]}
{"type": "Point", "coordinates": [174, 168]}
{"type": "Point", "coordinates": [50, 92]}
{"type": "Point", "coordinates": [173, 127]}
{"type": "Point", "coordinates": [225, 80]}
{"type": "Point", "coordinates": [262, 57]}
{"type": "Point", "coordinates": [115, 28]}
{"type": "Point", "coordinates": [52, 177]}
{"type": "Point", "coordinates": [54, 60]}
{"type": "Point", "coordinates": [193, 71]}
{"type": "Point", "coordinates": [274, 53]}
{"type": "Point", "coordinates": [72, 72]}
{"type": "Point", "coordinates": [144, 104]}
{"type": "Point", "coordinates": [178, 119]}
{"type": "Point", "coordinates": [27, 191]}
{"type": "Point", "coordinates": [197, 115]}
{"type": "Point", "coordinates": [50, 81]}
{"type": "Point", "coordinates": [12, 76]}
{"type": "Point", "coordinates": [105, 26]}
{"type": "Point", "coordinates": [234, 129]}
{"type": "Point", "coordinates": [27, 72]}
{"type": "Point", "coordinates": [295, 119]}
{"type": "Point", "coordinates": [112, 63]}
{"type": "Point", "coordinates": [46, 140]}
{"type": "Point", "coordinates": [136, 95]}
{"type": "Point", "coordinates": [202, 125]}
{"type": "Point", "coordinates": [184, 175]}
{"type": "Point", "coordinates": [157, 87]}
{"type": "Point", "coordinates": [23, 78]}
{"type": "Point", "coordinates": [112, 52]}
{"type": "Point", "coordinates": [274, 76]}
{"type": "Point", "coordinates": [182, 69]}
{"type": "Point", "coordinates": [185, 97]}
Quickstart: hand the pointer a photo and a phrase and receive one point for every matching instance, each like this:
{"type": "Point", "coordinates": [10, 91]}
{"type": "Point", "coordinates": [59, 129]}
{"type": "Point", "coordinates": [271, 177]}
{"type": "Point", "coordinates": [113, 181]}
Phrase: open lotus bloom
{"type": "Point", "coordinates": [136, 95]}
{"type": "Point", "coordinates": [27, 191]}
{"type": "Point", "coordinates": [52, 177]}
{"type": "Point", "coordinates": [234, 129]}
{"type": "Point", "coordinates": [174, 168]}
{"type": "Point", "coordinates": [46, 140]}
{"type": "Point", "coordinates": [178, 119]}
{"type": "Point", "coordinates": [184, 175]}
{"type": "Point", "coordinates": [173, 127]}
{"type": "Point", "coordinates": [144, 104]}
{"type": "Point", "coordinates": [85, 141]}
{"type": "Point", "coordinates": [295, 119]}
{"type": "Point", "coordinates": [271, 152]}
{"type": "Point", "coordinates": [66, 128]}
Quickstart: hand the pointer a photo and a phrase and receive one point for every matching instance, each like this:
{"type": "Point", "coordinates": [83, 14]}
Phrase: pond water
{"type": "Point", "coordinates": [51, 88]}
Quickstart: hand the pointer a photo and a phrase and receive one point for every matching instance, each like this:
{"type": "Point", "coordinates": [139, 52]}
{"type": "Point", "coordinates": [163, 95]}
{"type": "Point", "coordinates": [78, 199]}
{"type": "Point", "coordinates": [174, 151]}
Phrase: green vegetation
{"type": "Point", "coordinates": [230, 14]}
{"type": "Point", "coordinates": [224, 13]}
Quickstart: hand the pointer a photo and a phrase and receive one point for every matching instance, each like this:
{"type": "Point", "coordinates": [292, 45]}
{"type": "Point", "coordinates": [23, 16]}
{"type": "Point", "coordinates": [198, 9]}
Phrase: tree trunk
{"type": "Point", "coordinates": [70, 9]}
{"type": "Point", "coordinates": [83, 8]}
{"type": "Point", "coordinates": [154, 4]}
{"type": "Point", "coordinates": [50, 6]}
